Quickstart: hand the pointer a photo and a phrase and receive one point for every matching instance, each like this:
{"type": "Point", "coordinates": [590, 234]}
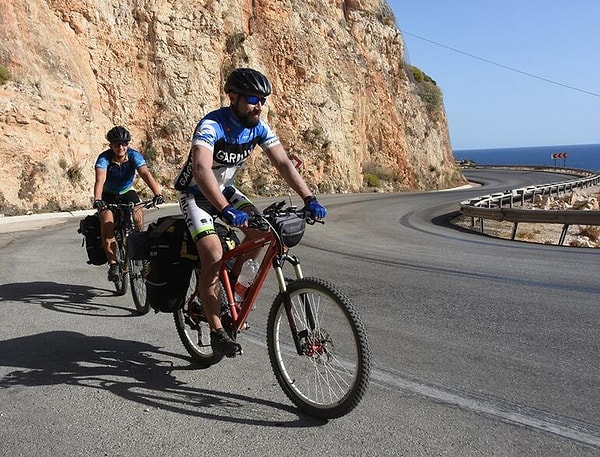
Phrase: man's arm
{"type": "Point", "coordinates": [202, 158]}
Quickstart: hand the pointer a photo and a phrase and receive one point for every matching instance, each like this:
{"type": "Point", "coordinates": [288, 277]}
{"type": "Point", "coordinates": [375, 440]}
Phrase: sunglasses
{"type": "Point", "coordinates": [254, 100]}
{"type": "Point", "coordinates": [120, 144]}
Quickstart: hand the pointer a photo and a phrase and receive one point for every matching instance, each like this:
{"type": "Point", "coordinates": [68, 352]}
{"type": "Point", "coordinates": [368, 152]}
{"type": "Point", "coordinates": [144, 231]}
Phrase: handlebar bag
{"type": "Point", "coordinates": [290, 228]}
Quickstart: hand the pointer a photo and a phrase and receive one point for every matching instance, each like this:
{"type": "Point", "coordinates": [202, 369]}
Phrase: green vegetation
{"type": "Point", "coordinates": [372, 180]}
{"type": "Point", "coordinates": [374, 173]}
{"type": "Point", "coordinates": [427, 89]}
{"type": "Point", "coordinates": [4, 75]}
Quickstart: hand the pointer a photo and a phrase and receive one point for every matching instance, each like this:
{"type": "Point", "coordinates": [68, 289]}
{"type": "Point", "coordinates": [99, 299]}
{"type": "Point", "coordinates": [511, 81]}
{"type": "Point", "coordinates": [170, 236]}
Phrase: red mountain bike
{"type": "Point", "coordinates": [317, 343]}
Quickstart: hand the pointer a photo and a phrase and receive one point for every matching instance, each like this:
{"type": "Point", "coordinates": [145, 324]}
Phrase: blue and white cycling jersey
{"type": "Point", "coordinates": [231, 144]}
{"type": "Point", "coordinates": [119, 177]}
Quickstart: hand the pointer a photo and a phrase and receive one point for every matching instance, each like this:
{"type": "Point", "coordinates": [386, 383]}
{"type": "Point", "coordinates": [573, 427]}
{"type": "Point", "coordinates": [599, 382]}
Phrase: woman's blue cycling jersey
{"type": "Point", "coordinates": [119, 177]}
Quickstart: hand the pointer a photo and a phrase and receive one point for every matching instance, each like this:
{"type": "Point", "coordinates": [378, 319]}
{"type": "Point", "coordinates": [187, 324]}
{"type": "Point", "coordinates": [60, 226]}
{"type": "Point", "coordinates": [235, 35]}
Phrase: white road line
{"type": "Point", "coordinates": [556, 425]}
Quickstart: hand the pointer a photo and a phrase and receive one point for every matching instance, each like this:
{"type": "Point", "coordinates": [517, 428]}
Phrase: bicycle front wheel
{"type": "Point", "coordinates": [137, 281]}
{"type": "Point", "coordinates": [325, 370]}
{"type": "Point", "coordinates": [122, 282]}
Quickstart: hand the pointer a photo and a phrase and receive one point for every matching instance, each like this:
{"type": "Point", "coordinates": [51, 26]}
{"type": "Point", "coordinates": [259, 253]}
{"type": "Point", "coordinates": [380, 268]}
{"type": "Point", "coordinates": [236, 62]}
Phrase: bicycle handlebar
{"type": "Point", "coordinates": [146, 204]}
{"type": "Point", "coordinates": [278, 209]}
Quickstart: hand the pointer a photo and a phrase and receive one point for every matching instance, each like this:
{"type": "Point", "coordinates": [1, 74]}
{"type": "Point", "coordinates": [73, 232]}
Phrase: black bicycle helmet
{"type": "Point", "coordinates": [247, 81]}
{"type": "Point", "coordinates": [118, 135]}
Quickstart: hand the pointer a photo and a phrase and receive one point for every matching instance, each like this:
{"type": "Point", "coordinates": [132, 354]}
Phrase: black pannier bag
{"type": "Point", "coordinates": [138, 245]}
{"type": "Point", "coordinates": [172, 259]}
{"type": "Point", "coordinates": [89, 227]}
{"type": "Point", "coordinates": [290, 228]}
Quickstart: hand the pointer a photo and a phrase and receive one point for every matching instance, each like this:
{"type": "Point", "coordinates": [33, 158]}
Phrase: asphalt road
{"type": "Point", "coordinates": [480, 346]}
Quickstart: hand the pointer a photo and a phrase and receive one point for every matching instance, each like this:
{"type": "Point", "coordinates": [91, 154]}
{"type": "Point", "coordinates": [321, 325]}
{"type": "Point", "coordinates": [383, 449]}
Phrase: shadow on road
{"type": "Point", "coordinates": [135, 371]}
{"type": "Point", "coordinates": [64, 298]}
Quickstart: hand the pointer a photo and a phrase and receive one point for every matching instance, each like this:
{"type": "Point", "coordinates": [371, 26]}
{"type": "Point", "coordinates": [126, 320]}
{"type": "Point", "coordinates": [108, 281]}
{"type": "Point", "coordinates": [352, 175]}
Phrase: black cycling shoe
{"type": "Point", "coordinates": [221, 343]}
{"type": "Point", "coordinates": [113, 272]}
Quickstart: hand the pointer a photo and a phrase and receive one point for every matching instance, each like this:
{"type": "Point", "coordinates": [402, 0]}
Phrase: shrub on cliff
{"type": "Point", "coordinates": [428, 90]}
{"type": "Point", "coordinates": [4, 74]}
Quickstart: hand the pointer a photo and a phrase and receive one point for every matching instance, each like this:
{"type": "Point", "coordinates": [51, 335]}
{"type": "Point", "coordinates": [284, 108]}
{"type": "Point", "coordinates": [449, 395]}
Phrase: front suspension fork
{"type": "Point", "coordinates": [278, 263]}
{"type": "Point", "coordinates": [299, 336]}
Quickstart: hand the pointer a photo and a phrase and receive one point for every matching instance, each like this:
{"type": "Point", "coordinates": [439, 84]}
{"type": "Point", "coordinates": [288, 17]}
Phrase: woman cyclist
{"type": "Point", "coordinates": [115, 172]}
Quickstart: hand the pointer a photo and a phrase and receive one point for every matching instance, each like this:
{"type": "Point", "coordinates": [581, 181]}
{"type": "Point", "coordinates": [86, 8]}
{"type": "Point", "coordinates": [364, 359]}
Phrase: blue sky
{"type": "Point", "coordinates": [489, 106]}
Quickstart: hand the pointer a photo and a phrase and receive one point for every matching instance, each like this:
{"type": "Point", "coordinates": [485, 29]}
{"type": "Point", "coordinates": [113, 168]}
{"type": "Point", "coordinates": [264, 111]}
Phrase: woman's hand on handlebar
{"type": "Point", "coordinates": [99, 205]}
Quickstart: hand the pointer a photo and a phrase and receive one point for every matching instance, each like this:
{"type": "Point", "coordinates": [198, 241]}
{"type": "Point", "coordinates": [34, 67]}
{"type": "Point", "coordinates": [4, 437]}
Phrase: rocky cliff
{"type": "Point", "coordinates": [343, 100]}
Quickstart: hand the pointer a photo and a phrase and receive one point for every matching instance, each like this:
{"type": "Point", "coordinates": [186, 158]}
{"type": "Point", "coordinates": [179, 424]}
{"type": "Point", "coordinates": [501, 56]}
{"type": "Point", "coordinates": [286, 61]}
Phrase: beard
{"type": "Point", "coordinates": [248, 120]}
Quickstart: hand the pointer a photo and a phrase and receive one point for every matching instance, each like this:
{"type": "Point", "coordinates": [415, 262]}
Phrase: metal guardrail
{"type": "Point", "coordinates": [501, 206]}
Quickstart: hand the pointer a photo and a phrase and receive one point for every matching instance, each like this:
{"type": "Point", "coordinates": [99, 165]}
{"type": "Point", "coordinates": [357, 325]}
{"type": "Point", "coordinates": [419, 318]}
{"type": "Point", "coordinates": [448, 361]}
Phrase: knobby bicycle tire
{"type": "Point", "coordinates": [194, 331]}
{"type": "Point", "coordinates": [137, 281]}
{"type": "Point", "coordinates": [330, 376]}
{"type": "Point", "coordinates": [123, 281]}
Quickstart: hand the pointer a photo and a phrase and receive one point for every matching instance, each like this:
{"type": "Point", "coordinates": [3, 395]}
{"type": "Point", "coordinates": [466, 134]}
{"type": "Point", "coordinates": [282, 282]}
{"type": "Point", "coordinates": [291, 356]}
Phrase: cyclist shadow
{"type": "Point", "coordinates": [65, 298]}
{"type": "Point", "coordinates": [132, 371]}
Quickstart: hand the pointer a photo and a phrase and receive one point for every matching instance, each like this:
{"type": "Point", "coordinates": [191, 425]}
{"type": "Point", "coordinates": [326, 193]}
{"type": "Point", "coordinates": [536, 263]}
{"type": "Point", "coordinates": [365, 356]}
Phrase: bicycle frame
{"type": "Point", "coordinates": [275, 257]}
{"type": "Point", "coordinates": [123, 220]}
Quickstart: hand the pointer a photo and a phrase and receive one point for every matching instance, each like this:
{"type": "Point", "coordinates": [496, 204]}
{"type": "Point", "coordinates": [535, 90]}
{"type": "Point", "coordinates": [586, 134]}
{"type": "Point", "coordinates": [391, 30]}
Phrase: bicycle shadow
{"type": "Point", "coordinates": [64, 298]}
{"type": "Point", "coordinates": [132, 370]}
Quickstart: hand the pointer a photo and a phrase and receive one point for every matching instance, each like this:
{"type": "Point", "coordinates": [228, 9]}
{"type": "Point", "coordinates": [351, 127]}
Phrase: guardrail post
{"type": "Point", "coordinates": [514, 231]}
{"type": "Point", "coordinates": [563, 234]}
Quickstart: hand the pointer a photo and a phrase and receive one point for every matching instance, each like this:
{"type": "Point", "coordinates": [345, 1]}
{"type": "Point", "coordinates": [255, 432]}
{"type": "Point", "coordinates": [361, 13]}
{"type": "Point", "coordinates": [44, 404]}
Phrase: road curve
{"type": "Point", "coordinates": [480, 346]}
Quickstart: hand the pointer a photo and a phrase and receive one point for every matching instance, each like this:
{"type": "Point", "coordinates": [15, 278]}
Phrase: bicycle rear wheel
{"type": "Point", "coordinates": [137, 280]}
{"type": "Point", "coordinates": [193, 330]}
{"type": "Point", "coordinates": [327, 373]}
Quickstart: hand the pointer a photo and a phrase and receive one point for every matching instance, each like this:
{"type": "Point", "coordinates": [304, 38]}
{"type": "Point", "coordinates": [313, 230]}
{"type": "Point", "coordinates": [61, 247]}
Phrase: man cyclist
{"type": "Point", "coordinates": [115, 172]}
{"type": "Point", "coordinates": [222, 141]}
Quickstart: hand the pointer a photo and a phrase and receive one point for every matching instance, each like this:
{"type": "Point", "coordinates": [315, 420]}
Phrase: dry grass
{"type": "Point", "coordinates": [592, 232]}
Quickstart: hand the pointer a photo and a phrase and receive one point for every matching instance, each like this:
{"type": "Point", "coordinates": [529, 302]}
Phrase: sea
{"type": "Point", "coordinates": [580, 156]}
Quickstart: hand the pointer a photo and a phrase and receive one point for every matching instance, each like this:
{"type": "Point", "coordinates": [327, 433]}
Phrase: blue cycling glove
{"type": "Point", "coordinates": [316, 210]}
{"type": "Point", "coordinates": [233, 216]}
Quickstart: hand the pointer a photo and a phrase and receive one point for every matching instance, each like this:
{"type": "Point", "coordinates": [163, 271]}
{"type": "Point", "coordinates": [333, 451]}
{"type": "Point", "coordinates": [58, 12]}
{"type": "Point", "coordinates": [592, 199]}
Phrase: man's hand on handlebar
{"type": "Point", "coordinates": [234, 217]}
{"type": "Point", "coordinates": [158, 200]}
{"type": "Point", "coordinates": [316, 210]}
